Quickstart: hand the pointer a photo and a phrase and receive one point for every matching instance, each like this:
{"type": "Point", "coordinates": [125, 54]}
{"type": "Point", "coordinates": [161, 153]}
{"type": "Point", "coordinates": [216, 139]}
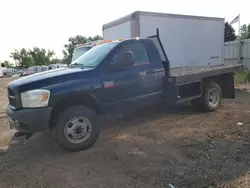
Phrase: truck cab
{"type": "Point", "coordinates": [111, 77]}
{"type": "Point", "coordinates": [128, 69]}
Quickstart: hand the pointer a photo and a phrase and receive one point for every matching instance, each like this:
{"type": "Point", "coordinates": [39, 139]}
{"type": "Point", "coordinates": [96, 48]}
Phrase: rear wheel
{"type": "Point", "coordinates": [77, 128]}
{"type": "Point", "coordinates": [211, 97]}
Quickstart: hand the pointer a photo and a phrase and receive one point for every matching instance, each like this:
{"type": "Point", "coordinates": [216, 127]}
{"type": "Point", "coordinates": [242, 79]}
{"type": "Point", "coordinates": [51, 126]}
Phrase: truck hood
{"type": "Point", "coordinates": [50, 77]}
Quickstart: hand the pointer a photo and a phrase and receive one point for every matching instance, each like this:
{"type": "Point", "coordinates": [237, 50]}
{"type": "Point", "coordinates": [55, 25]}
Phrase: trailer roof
{"type": "Point", "coordinates": [135, 16]}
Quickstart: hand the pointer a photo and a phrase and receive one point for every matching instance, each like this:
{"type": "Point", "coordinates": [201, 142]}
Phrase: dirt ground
{"type": "Point", "coordinates": [153, 147]}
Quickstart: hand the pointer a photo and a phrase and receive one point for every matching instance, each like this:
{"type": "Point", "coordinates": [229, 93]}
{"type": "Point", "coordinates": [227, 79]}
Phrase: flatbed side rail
{"type": "Point", "coordinates": [190, 77]}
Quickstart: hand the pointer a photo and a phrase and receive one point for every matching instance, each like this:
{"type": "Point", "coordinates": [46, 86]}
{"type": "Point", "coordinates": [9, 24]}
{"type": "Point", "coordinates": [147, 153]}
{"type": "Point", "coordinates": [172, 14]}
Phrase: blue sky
{"type": "Point", "coordinates": [49, 23]}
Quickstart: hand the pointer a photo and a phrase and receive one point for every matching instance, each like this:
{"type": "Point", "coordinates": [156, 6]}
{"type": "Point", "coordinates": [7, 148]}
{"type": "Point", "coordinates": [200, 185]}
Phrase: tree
{"type": "Point", "coordinates": [72, 42]}
{"type": "Point", "coordinates": [245, 31]}
{"type": "Point", "coordinates": [37, 56]}
{"type": "Point", "coordinates": [229, 33]}
{"type": "Point", "coordinates": [7, 64]}
{"type": "Point", "coordinates": [69, 48]}
{"type": "Point", "coordinates": [97, 37]}
{"type": "Point", "coordinates": [22, 57]}
{"type": "Point", "coordinates": [40, 56]}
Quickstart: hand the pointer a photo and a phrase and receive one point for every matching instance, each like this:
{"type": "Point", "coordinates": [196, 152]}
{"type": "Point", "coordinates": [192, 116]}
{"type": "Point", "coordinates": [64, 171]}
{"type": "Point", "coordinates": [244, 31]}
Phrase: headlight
{"type": "Point", "coordinates": [35, 98]}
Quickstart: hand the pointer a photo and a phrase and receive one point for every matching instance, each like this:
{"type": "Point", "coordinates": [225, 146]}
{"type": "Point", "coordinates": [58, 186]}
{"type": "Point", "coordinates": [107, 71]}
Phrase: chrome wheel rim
{"type": "Point", "coordinates": [213, 97]}
{"type": "Point", "coordinates": [77, 130]}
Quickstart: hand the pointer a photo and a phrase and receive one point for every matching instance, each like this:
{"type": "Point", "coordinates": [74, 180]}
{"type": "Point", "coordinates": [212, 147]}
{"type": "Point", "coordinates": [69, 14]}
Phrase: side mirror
{"type": "Point", "coordinates": [126, 60]}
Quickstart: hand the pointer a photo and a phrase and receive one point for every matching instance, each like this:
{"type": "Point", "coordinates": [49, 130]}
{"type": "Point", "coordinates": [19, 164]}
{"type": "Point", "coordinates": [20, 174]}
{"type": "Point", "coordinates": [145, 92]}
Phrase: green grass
{"type": "Point", "coordinates": [242, 77]}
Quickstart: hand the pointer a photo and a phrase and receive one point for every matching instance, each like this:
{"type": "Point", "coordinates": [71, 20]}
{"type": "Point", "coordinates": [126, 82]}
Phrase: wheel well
{"type": "Point", "coordinates": [81, 100]}
{"type": "Point", "coordinates": [226, 82]}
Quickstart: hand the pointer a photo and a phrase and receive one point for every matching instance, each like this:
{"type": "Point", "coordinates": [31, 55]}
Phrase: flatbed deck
{"type": "Point", "coordinates": [190, 74]}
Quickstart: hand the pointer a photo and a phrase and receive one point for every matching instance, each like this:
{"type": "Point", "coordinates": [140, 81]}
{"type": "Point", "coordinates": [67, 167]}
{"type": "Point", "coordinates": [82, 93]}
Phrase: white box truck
{"type": "Point", "coordinates": [188, 40]}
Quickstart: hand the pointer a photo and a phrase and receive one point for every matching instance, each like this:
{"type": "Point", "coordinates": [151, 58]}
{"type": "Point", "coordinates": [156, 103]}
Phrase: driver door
{"type": "Point", "coordinates": [123, 88]}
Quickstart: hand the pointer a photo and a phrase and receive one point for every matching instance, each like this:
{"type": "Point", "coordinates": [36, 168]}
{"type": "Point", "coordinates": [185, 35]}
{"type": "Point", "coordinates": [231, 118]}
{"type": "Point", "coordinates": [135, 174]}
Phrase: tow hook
{"type": "Point", "coordinates": [27, 135]}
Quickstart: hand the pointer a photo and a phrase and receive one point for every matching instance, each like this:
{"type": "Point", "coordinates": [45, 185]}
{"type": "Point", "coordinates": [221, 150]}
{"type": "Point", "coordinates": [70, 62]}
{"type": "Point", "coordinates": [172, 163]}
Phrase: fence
{"type": "Point", "coordinates": [237, 52]}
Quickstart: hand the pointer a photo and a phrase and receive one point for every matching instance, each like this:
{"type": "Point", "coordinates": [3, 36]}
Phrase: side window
{"type": "Point", "coordinates": [139, 51]}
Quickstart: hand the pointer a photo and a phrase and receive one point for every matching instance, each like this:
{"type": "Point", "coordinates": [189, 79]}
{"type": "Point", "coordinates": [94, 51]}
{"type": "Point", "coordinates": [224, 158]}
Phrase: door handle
{"type": "Point", "coordinates": [151, 71]}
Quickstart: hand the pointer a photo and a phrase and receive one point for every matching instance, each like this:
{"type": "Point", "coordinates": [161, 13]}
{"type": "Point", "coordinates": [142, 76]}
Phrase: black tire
{"type": "Point", "coordinates": [67, 115]}
{"type": "Point", "coordinates": [204, 103]}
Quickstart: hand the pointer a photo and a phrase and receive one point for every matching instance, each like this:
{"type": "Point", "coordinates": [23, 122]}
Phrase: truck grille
{"type": "Point", "coordinates": [12, 98]}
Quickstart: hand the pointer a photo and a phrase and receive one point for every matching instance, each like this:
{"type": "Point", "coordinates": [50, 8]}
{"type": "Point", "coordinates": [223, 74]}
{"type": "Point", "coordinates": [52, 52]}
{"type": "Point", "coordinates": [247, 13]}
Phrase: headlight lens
{"type": "Point", "coordinates": [35, 98]}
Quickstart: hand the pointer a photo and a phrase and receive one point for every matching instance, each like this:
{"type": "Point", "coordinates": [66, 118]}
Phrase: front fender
{"type": "Point", "coordinates": [71, 88]}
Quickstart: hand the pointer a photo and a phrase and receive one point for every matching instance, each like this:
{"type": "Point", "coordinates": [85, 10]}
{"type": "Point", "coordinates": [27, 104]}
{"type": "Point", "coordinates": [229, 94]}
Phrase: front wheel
{"type": "Point", "coordinates": [77, 128]}
{"type": "Point", "coordinates": [211, 97]}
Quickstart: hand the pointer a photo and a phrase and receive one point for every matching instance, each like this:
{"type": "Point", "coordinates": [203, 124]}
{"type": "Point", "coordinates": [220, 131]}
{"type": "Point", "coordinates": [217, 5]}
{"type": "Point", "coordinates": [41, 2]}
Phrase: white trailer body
{"type": "Point", "coordinates": [188, 40]}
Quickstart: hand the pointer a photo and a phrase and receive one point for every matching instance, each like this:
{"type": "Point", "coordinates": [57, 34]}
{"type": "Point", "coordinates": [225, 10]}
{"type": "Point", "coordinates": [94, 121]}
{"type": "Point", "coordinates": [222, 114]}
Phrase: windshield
{"type": "Point", "coordinates": [80, 51]}
{"type": "Point", "coordinates": [93, 57]}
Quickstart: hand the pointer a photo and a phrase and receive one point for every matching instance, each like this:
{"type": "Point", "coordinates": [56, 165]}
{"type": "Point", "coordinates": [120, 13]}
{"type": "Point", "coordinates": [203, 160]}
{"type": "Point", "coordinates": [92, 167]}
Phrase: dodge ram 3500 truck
{"type": "Point", "coordinates": [110, 77]}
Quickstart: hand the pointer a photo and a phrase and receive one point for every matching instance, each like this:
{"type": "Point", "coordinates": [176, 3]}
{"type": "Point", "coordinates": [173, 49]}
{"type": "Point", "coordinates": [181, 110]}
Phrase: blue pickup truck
{"type": "Point", "coordinates": [109, 78]}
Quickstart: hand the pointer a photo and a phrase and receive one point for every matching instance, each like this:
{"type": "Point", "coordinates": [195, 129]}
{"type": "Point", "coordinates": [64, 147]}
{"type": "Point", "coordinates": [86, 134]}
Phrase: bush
{"type": "Point", "coordinates": [242, 77]}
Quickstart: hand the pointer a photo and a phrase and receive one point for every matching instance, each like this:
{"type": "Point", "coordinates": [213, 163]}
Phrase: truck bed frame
{"type": "Point", "coordinates": [186, 83]}
{"type": "Point", "coordinates": [191, 74]}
